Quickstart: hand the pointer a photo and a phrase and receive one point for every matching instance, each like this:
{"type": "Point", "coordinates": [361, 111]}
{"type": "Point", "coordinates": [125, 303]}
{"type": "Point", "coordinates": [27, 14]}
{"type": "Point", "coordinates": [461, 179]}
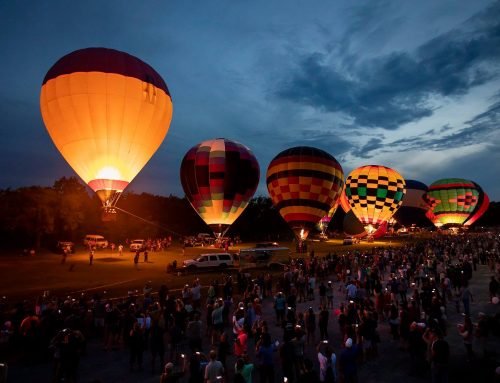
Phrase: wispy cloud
{"type": "Point", "coordinates": [392, 90]}
{"type": "Point", "coordinates": [483, 128]}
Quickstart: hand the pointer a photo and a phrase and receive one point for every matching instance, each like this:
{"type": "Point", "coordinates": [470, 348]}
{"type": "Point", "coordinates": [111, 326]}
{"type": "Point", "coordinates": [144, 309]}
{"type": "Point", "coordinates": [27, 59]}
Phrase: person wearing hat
{"type": "Point", "coordinates": [348, 361]}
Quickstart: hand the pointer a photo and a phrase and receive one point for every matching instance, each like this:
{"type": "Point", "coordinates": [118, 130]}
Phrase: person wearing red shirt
{"type": "Point", "coordinates": [240, 344]}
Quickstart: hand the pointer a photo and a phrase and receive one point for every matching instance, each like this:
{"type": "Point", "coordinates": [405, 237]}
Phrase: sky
{"type": "Point", "coordinates": [410, 85]}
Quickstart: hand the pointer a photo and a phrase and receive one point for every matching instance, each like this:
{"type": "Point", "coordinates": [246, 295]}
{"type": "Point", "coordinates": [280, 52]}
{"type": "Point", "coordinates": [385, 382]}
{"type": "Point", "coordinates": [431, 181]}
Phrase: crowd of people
{"type": "Point", "coordinates": [223, 331]}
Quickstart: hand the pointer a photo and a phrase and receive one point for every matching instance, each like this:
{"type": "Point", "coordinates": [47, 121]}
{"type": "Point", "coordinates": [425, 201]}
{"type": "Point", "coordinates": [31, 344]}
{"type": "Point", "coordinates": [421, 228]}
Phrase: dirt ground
{"type": "Point", "coordinates": [25, 277]}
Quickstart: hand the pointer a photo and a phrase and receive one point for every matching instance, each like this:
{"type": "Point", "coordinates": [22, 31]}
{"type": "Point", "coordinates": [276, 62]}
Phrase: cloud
{"type": "Point", "coordinates": [483, 128]}
{"type": "Point", "coordinates": [322, 139]}
{"type": "Point", "coordinates": [394, 89]}
{"type": "Point", "coordinates": [370, 146]}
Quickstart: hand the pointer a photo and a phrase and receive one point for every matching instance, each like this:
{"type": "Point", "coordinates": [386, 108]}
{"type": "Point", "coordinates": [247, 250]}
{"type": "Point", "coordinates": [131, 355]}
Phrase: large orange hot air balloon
{"type": "Point", "coordinates": [375, 193]}
{"type": "Point", "coordinates": [107, 112]}
{"type": "Point", "coordinates": [304, 184]}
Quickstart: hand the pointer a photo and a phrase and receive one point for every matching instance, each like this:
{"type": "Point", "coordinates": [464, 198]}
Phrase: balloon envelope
{"type": "Point", "coordinates": [481, 206]}
{"type": "Point", "coordinates": [219, 178]}
{"type": "Point", "coordinates": [344, 202]}
{"type": "Point", "coordinates": [353, 226]}
{"type": "Point", "coordinates": [375, 193]}
{"type": "Point", "coordinates": [451, 201]}
{"type": "Point", "coordinates": [304, 183]}
{"type": "Point", "coordinates": [107, 112]}
{"type": "Point", "coordinates": [414, 208]}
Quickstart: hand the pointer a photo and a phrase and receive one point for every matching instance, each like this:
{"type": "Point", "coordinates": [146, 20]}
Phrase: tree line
{"type": "Point", "coordinates": [38, 217]}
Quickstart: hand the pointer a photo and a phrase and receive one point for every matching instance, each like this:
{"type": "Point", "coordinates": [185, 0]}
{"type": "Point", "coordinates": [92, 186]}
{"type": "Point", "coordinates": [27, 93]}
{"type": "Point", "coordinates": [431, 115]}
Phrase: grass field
{"type": "Point", "coordinates": [26, 277]}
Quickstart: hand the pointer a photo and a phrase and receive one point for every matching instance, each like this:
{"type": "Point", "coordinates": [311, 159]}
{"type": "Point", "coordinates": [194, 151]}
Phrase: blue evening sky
{"type": "Point", "coordinates": [410, 85]}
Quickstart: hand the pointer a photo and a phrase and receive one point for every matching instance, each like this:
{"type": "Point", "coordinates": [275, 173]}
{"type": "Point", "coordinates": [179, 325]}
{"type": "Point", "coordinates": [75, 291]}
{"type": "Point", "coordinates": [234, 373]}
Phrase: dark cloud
{"type": "Point", "coordinates": [394, 89]}
{"type": "Point", "coordinates": [325, 140]}
{"type": "Point", "coordinates": [372, 145]}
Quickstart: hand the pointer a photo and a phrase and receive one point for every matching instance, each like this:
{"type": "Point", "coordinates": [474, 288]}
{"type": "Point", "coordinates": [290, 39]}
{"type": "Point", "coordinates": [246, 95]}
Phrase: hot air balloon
{"type": "Point", "coordinates": [219, 178]}
{"type": "Point", "coordinates": [481, 207]}
{"type": "Point", "coordinates": [451, 201]}
{"type": "Point", "coordinates": [304, 184]}
{"type": "Point", "coordinates": [107, 112]}
{"type": "Point", "coordinates": [375, 193]}
{"type": "Point", "coordinates": [344, 202]}
{"type": "Point", "coordinates": [352, 226]}
{"type": "Point", "coordinates": [325, 221]}
{"type": "Point", "coordinates": [414, 207]}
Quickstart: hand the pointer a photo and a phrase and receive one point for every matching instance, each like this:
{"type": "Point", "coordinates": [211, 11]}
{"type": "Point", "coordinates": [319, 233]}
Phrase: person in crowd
{"type": "Point", "coordinates": [244, 368]}
{"type": "Point", "coordinates": [466, 331]}
{"type": "Point", "coordinates": [264, 351]}
{"type": "Point", "coordinates": [214, 370]}
{"type": "Point", "coordinates": [323, 322]}
{"type": "Point", "coordinates": [310, 319]}
{"type": "Point", "coordinates": [136, 345]}
{"type": "Point", "coordinates": [327, 363]}
{"type": "Point", "coordinates": [439, 355]}
{"type": "Point", "coordinates": [348, 361]}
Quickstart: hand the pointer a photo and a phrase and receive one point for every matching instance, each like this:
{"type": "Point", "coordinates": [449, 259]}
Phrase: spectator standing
{"type": "Point", "coordinates": [214, 369]}
{"type": "Point", "coordinates": [310, 318]}
{"type": "Point", "coordinates": [323, 323]}
{"type": "Point", "coordinates": [466, 331]}
{"type": "Point", "coordinates": [348, 362]}
{"type": "Point", "coordinates": [466, 299]}
{"type": "Point", "coordinates": [439, 355]}
{"type": "Point", "coordinates": [136, 343]}
{"type": "Point", "coordinates": [264, 353]}
{"type": "Point", "coordinates": [327, 363]}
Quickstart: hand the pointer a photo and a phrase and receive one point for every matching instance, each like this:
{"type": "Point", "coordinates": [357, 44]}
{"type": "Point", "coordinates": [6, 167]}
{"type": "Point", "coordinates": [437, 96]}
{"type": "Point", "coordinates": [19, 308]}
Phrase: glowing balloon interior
{"type": "Point", "coordinates": [219, 178]}
{"type": "Point", "coordinates": [451, 201]}
{"type": "Point", "coordinates": [304, 183]}
{"type": "Point", "coordinates": [107, 112]}
{"type": "Point", "coordinates": [375, 193]}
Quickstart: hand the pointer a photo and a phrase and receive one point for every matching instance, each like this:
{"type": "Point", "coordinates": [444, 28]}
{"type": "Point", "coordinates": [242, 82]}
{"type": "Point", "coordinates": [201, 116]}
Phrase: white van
{"type": "Point", "coordinates": [95, 240]}
{"type": "Point", "coordinates": [138, 245]}
{"type": "Point", "coordinates": [212, 260]}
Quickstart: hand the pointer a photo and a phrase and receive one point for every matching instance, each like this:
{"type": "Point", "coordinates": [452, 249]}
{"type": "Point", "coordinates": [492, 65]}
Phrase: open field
{"type": "Point", "coordinates": [117, 275]}
{"type": "Point", "coordinates": [26, 277]}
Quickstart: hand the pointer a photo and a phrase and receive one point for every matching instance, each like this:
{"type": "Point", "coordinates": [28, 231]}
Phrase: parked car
{"type": "Point", "coordinates": [95, 240]}
{"type": "Point", "coordinates": [206, 238]}
{"type": "Point", "coordinates": [65, 245]}
{"type": "Point", "coordinates": [209, 261]}
{"type": "Point", "coordinates": [138, 245]}
{"type": "Point", "coordinates": [192, 242]}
